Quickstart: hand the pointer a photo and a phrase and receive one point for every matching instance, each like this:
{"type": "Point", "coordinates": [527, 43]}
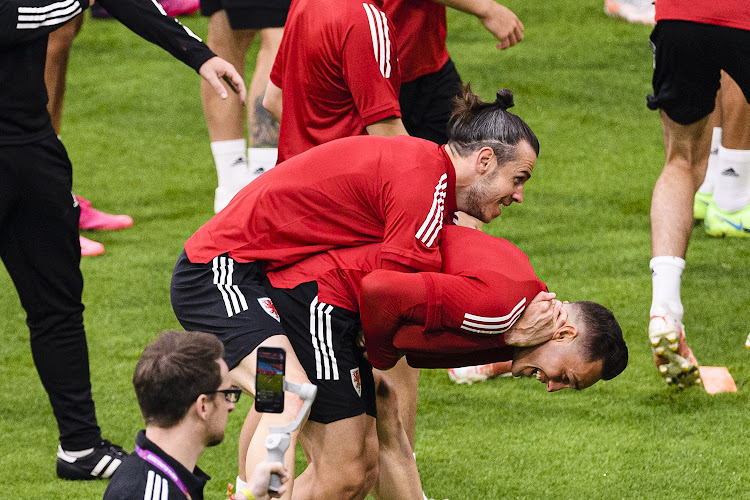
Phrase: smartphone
{"type": "Point", "coordinates": [269, 380]}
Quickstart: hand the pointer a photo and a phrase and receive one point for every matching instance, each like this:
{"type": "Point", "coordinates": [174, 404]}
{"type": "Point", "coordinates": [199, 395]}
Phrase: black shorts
{"type": "Point", "coordinates": [688, 58]}
{"type": "Point", "coordinates": [249, 14]}
{"type": "Point", "coordinates": [324, 340]}
{"type": "Point", "coordinates": [427, 102]}
{"type": "Point", "coordinates": [225, 298]}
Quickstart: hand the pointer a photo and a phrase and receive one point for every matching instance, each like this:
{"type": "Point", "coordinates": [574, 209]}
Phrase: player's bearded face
{"type": "Point", "coordinates": [217, 419]}
{"type": "Point", "coordinates": [488, 194]}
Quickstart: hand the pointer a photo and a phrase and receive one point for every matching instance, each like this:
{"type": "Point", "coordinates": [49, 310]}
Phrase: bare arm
{"type": "Point", "coordinates": [387, 127]}
{"type": "Point", "coordinates": [496, 18]}
{"type": "Point", "coordinates": [272, 101]}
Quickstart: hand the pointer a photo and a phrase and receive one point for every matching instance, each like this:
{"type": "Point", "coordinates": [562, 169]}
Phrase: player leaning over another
{"type": "Point", "coordinates": [485, 300]}
{"type": "Point", "coordinates": [39, 216]}
{"type": "Point", "coordinates": [397, 191]}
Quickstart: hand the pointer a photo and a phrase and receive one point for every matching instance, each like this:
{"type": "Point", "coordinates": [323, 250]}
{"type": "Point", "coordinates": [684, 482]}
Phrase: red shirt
{"type": "Point", "coordinates": [337, 70]}
{"type": "Point", "coordinates": [729, 13]}
{"type": "Point", "coordinates": [485, 285]}
{"type": "Point", "coordinates": [349, 192]}
{"type": "Point", "coordinates": [421, 28]}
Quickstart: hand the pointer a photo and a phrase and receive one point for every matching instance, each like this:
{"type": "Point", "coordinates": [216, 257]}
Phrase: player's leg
{"type": "Point", "coordinates": [39, 247]}
{"type": "Point", "coordinates": [256, 428]}
{"type": "Point", "coordinates": [226, 298]}
{"type": "Point", "coordinates": [705, 193]}
{"type": "Point", "coordinates": [339, 438]}
{"type": "Point", "coordinates": [730, 210]}
{"type": "Point", "coordinates": [342, 459]}
{"type": "Point", "coordinates": [398, 477]}
{"type": "Point", "coordinates": [686, 80]}
{"type": "Point", "coordinates": [225, 118]}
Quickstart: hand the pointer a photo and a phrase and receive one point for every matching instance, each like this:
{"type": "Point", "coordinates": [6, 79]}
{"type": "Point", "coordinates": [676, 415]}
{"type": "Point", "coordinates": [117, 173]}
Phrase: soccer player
{"type": "Point", "coordinates": [232, 27]}
{"type": "Point", "coordinates": [398, 191]}
{"type": "Point", "coordinates": [692, 41]}
{"type": "Point", "coordinates": [336, 75]}
{"type": "Point", "coordinates": [485, 299]}
{"type": "Point", "coordinates": [429, 78]}
{"type": "Point", "coordinates": [39, 215]}
{"type": "Point", "coordinates": [185, 396]}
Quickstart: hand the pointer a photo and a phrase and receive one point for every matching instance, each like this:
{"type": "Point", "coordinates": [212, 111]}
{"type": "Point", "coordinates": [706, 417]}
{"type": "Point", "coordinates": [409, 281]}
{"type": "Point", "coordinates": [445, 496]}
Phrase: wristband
{"type": "Point", "coordinates": [247, 493]}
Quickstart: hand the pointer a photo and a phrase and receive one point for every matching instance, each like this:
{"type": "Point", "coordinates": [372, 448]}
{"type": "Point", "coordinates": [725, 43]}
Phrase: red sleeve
{"type": "Point", "coordinates": [481, 302]}
{"type": "Point", "coordinates": [370, 65]}
{"type": "Point", "coordinates": [415, 212]}
{"type": "Point", "coordinates": [388, 300]}
{"type": "Point", "coordinates": [429, 360]}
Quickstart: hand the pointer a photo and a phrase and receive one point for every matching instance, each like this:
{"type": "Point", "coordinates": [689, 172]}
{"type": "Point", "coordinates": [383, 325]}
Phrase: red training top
{"type": "Point", "coordinates": [729, 13]}
{"type": "Point", "coordinates": [338, 72]}
{"type": "Point", "coordinates": [442, 319]}
{"type": "Point", "coordinates": [349, 192]}
{"type": "Point", "coordinates": [421, 28]}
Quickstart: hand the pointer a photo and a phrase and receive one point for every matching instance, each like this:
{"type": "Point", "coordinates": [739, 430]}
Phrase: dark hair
{"type": "Point", "coordinates": [603, 338]}
{"type": "Point", "coordinates": [174, 369]}
{"type": "Point", "coordinates": [475, 124]}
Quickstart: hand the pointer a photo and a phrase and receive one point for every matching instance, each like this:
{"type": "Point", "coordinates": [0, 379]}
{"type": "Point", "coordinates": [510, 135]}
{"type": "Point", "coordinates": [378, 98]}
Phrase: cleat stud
{"type": "Point", "coordinates": [663, 369]}
{"type": "Point", "coordinates": [672, 337]}
{"type": "Point", "coordinates": [681, 386]}
{"type": "Point", "coordinates": [674, 347]}
{"type": "Point", "coordinates": [686, 366]}
{"type": "Point", "coordinates": [654, 342]}
{"type": "Point", "coordinates": [698, 381]}
{"type": "Point", "coordinates": [669, 380]}
{"type": "Point", "coordinates": [659, 351]}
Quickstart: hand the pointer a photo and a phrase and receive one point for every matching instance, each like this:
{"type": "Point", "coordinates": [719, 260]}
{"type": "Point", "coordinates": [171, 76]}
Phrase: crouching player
{"type": "Point", "coordinates": [487, 305]}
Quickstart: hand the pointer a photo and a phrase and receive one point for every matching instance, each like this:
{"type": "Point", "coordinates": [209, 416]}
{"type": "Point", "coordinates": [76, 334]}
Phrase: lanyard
{"type": "Point", "coordinates": [164, 467]}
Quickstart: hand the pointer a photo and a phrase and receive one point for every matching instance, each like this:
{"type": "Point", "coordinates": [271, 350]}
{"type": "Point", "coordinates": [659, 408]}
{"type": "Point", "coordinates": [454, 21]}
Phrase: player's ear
{"type": "Point", "coordinates": [484, 160]}
{"type": "Point", "coordinates": [567, 332]}
{"type": "Point", "coordinates": [201, 405]}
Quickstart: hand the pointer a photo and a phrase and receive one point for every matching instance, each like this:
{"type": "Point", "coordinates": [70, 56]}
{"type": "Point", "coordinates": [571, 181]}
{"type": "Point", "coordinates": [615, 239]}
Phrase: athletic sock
{"type": "Point", "coordinates": [231, 164]}
{"type": "Point", "coordinates": [239, 484]}
{"type": "Point", "coordinates": [732, 185]}
{"type": "Point", "coordinates": [713, 164]}
{"type": "Point", "coordinates": [666, 276]}
{"type": "Point", "coordinates": [78, 453]}
{"type": "Point", "coordinates": [261, 159]}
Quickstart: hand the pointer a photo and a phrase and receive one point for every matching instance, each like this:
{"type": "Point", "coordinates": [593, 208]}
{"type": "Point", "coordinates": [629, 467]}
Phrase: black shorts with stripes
{"type": "Point", "coordinates": [226, 298]}
{"type": "Point", "coordinates": [324, 339]}
{"type": "Point", "coordinates": [249, 14]}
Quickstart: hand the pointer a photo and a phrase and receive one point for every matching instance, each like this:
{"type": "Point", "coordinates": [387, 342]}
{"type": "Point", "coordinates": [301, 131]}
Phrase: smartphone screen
{"type": "Point", "coordinates": [269, 380]}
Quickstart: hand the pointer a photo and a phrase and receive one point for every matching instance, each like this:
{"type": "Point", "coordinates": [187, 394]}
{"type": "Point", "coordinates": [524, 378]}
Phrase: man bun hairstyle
{"type": "Point", "coordinates": [174, 369]}
{"type": "Point", "coordinates": [603, 338]}
{"type": "Point", "coordinates": [475, 124]}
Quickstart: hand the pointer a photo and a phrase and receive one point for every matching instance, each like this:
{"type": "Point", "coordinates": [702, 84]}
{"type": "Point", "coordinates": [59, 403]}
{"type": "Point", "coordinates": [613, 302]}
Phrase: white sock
{"type": "Point", "coordinates": [261, 159]}
{"type": "Point", "coordinates": [231, 164]}
{"type": "Point", "coordinates": [239, 484]}
{"type": "Point", "coordinates": [666, 276]}
{"type": "Point", "coordinates": [77, 453]}
{"type": "Point", "coordinates": [732, 185]}
{"type": "Point", "coordinates": [713, 164]}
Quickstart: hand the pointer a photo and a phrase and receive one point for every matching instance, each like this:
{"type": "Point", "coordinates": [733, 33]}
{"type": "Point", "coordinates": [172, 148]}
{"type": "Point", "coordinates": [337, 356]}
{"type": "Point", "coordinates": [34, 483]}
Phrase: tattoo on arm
{"type": "Point", "coordinates": [265, 129]}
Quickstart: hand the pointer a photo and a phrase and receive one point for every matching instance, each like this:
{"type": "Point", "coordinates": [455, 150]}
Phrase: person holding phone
{"type": "Point", "coordinates": [185, 396]}
{"type": "Point", "coordinates": [398, 191]}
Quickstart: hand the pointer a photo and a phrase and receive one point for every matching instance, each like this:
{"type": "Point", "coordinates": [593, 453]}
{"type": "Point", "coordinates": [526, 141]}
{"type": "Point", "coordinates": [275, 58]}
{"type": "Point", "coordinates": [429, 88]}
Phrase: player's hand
{"type": "Point", "coordinates": [543, 316]}
{"type": "Point", "coordinates": [261, 478]}
{"type": "Point", "coordinates": [504, 24]}
{"type": "Point", "coordinates": [361, 344]}
{"type": "Point", "coordinates": [466, 220]}
{"type": "Point", "coordinates": [216, 69]}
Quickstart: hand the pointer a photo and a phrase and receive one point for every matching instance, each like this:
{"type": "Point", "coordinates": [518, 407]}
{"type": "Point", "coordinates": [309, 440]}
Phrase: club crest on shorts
{"type": "Point", "coordinates": [267, 305]}
{"type": "Point", "coordinates": [356, 381]}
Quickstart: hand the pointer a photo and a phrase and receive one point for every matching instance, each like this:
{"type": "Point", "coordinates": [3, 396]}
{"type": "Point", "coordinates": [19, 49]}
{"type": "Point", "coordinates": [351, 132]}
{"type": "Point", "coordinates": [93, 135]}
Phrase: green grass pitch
{"type": "Point", "coordinates": [135, 132]}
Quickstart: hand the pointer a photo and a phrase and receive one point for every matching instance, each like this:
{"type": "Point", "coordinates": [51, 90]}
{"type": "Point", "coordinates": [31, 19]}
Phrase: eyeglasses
{"type": "Point", "coordinates": [231, 395]}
